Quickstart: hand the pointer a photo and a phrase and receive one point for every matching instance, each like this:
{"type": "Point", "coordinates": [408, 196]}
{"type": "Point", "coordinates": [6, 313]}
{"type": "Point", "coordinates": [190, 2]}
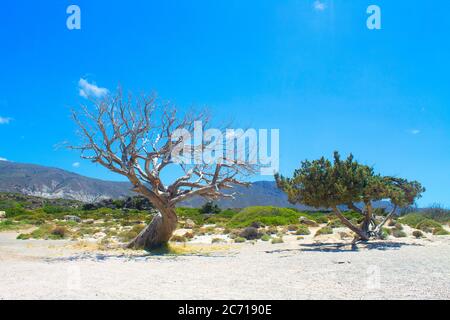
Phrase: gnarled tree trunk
{"type": "Point", "coordinates": [158, 232]}
{"type": "Point", "coordinates": [361, 233]}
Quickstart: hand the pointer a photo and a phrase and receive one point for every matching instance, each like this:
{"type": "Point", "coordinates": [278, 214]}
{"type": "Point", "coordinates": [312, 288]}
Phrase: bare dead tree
{"type": "Point", "coordinates": [133, 137]}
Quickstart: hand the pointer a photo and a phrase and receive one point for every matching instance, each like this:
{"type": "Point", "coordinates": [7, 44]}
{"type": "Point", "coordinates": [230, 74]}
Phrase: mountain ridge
{"type": "Point", "coordinates": [55, 183]}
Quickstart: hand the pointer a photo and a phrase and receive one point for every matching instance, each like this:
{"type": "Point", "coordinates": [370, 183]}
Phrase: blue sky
{"type": "Point", "coordinates": [311, 69]}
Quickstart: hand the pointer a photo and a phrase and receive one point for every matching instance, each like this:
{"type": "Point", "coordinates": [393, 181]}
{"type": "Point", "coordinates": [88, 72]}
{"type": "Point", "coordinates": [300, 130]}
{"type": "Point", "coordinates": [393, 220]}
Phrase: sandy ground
{"type": "Point", "coordinates": [297, 269]}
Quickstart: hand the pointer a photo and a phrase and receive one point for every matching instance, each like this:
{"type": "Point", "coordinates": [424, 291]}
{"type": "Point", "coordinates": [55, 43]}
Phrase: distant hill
{"type": "Point", "coordinates": [53, 183]}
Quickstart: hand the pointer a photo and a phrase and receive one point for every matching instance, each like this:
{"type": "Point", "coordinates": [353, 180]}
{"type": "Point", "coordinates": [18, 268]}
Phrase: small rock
{"type": "Point", "coordinates": [72, 218]}
{"type": "Point", "coordinates": [344, 235]}
{"type": "Point", "coordinates": [307, 222]}
{"type": "Point", "coordinates": [189, 224]}
{"type": "Point", "coordinates": [99, 235]}
{"type": "Point", "coordinates": [89, 221]}
{"type": "Point", "coordinates": [2, 214]}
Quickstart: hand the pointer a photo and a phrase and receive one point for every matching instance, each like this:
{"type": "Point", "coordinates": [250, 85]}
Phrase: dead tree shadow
{"type": "Point", "coordinates": [145, 256]}
{"type": "Point", "coordinates": [347, 247]}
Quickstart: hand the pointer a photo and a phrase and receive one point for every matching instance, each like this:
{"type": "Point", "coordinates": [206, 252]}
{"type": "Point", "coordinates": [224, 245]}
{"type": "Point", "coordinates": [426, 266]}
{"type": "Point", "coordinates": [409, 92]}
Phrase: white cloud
{"type": "Point", "coordinates": [4, 120]}
{"type": "Point", "coordinates": [415, 131]}
{"type": "Point", "coordinates": [3, 159]}
{"type": "Point", "coordinates": [76, 164]}
{"type": "Point", "coordinates": [319, 6]}
{"type": "Point", "coordinates": [87, 89]}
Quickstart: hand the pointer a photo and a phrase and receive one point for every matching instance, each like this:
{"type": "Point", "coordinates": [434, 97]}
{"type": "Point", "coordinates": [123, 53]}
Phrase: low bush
{"type": "Point", "coordinates": [303, 231]}
{"type": "Point", "coordinates": [335, 223]}
{"type": "Point", "coordinates": [440, 232]}
{"type": "Point", "coordinates": [413, 219]}
{"type": "Point", "coordinates": [59, 232]}
{"type": "Point", "coordinates": [428, 225]}
{"type": "Point", "coordinates": [269, 216]}
{"type": "Point", "coordinates": [398, 233]}
{"type": "Point", "coordinates": [417, 234]}
{"type": "Point", "coordinates": [277, 240]}
{"type": "Point", "coordinates": [249, 233]}
{"type": "Point", "coordinates": [265, 237]}
{"type": "Point", "coordinates": [239, 240]}
{"type": "Point", "coordinates": [324, 230]}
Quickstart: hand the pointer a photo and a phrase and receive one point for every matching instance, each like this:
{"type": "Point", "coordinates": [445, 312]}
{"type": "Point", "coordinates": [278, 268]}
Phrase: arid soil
{"type": "Point", "coordinates": [319, 268]}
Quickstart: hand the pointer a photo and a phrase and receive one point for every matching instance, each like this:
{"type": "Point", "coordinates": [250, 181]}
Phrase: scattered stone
{"type": "Point", "coordinates": [99, 235]}
{"type": "Point", "coordinates": [72, 218]}
{"type": "Point", "coordinates": [307, 222]}
{"type": "Point", "coordinates": [344, 235]}
{"type": "Point", "coordinates": [89, 221]}
{"type": "Point", "coordinates": [2, 214]}
{"type": "Point", "coordinates": [189, 224]}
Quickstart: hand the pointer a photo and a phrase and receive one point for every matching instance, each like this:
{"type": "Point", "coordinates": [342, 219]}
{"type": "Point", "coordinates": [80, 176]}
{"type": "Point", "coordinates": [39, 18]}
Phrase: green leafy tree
{"type": "Point", "coordinates": [323, 184]}
{"type": "Point", "coordinates": [210, 208]}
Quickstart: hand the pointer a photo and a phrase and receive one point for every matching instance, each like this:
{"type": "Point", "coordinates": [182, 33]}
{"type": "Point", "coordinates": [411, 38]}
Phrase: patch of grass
{"type": "Point", "coordinates": [10, 225]}
{"type": "Point", "coordinates": [428, 225]}
{"type": "Point", "coordinates": [335, 223]}
{"type": "Point", "coordinates": [302, 231]}
{"type": "Point", "coordinates": [269, 216]}
{"type": "Point", "coordinates": [324, 230]}
{"type": "Point", "coordinates": [239, 240]}
{"type": "Point", "coordinates": [46, 232]}
{"type": "Point", "coordinates": [413, 219]}
{"type": "Point", "coordinates": [129, 235]}
{"type": "Point", "coordinates": [266, 237]}
{"type": "Point", "coordinates": [440, 232]}
{"type": "Point", "coordinates": [277, 240]}
{"type": "Point", "coordinates": [398, 233]}
{"type": "Point", "coordinates": [60, 232]}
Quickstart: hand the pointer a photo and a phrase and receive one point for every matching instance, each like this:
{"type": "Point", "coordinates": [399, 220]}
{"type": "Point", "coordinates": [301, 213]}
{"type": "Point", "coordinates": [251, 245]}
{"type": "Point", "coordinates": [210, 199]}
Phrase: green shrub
{"type": "Point", "coordinates": [266, 237]}
{"type": "Point", "coordinates": [386, 233]}
{"type": "Point", "coordinates": [269, 216]}
{"type": "Point", "coordinates": [277, 240]}
{"type": "Point", "coordinates": [210, 208]}
{"type": "Point", "coordinates": [335, 223]}
{"type": "Point", "coordinates": [398, 233]}
{"type": "Point", "coordinates": [239, 240]}
{"type": "Point", "coordinates": [217, 240]}
{"type": "Point", "coordinates": [324, 230]}
{"type": "Point", "coordinates": [440, 232]}
{"type": "Point", "coordinates": [413, 219]}
{"type": "Point", "coordinates": [191, 213]}
{"type": "Point", "coordinates": [59, 232]}
{"type": "Point", "coordinates": [303, 231]}
{"type": "Point", "coordinates": [319, 218]}
{"type": "Point", "coordinates": [428, 225]}
{"type": "Point", "coordinates": [45, 231]}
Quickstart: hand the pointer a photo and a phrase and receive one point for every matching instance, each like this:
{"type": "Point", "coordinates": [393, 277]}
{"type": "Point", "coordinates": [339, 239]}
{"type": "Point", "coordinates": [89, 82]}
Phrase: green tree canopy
{"type": "Point", "coordinates": [325, 184]}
